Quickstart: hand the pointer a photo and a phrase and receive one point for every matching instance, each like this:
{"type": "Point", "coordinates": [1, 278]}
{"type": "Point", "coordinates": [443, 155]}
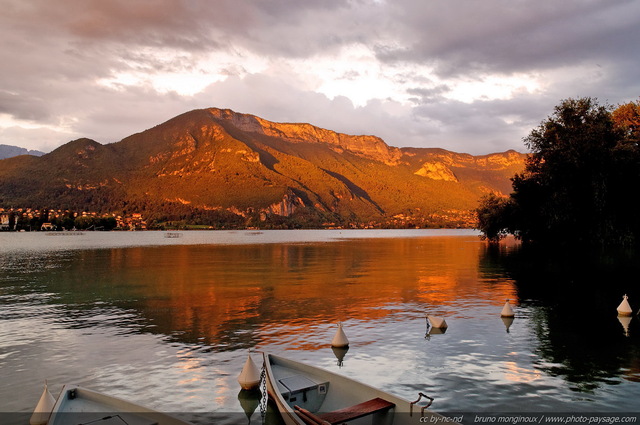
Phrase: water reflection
{"type": "Point", "coordinates": [571, 301]}
{"type": "Point", "coordinates": [133, 320]}
{"type": "Point", "coordinates": [508, 321]}
{"type": "Point", "coordinates": [625, 321]}
{"type": "Point", "coordinates": [249, 400]}
{"type": "Point", "coordinates": [340, 353]}
{"type": "Point", "coordinates": [224, 297]}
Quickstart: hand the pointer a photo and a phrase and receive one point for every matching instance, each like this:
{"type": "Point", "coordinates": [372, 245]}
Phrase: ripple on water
{"type": "Point", "coordinates": [170, 327]}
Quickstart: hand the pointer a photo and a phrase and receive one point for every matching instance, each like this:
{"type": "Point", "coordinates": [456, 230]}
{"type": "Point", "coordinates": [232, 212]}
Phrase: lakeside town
{"type": "Point", "coordinates": [28, 219]}
{"type": "Point", "coordinates": [31, 219]}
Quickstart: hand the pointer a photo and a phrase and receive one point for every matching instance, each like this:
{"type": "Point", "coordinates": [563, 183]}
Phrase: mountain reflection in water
{"type": "Point", "coordinates": [171, 325]}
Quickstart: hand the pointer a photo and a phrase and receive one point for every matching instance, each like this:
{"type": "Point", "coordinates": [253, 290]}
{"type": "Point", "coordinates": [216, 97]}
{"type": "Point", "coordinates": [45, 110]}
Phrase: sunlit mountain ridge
{"type": "Point", "coordinates": [225, 169]}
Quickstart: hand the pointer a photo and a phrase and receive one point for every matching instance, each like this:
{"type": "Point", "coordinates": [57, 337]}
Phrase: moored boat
{"type": "Point", "coordinates": [307, 395]}
{"type": "Point", "coordinates": [77, 405]}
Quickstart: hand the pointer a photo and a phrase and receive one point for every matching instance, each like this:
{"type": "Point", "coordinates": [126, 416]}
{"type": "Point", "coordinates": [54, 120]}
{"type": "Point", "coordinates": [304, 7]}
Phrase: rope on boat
{"type": "Point", "coordinates": [263, 396]}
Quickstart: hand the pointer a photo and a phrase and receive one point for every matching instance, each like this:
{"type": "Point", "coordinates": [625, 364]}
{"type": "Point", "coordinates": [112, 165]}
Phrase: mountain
{"type": "Point", "coordinates": [218, 167]}
{"type": "Point", "coordinates": [7, 151]}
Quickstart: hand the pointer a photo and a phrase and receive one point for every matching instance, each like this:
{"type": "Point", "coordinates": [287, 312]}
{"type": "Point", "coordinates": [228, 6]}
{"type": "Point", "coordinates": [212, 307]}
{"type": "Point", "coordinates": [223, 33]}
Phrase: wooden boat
{"type": "Point", "coordinates": [306, 395]}
{"type": "Point", "coordinates": [76, 405]}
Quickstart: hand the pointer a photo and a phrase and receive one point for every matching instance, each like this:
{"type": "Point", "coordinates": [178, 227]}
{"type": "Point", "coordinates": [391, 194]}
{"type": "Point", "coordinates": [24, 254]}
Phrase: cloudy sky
{"type": "Point", "coordinates": [465, 75]}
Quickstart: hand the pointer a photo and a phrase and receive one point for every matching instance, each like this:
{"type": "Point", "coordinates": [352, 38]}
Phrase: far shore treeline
{"type": "Point", "coordinates": [580, 183]}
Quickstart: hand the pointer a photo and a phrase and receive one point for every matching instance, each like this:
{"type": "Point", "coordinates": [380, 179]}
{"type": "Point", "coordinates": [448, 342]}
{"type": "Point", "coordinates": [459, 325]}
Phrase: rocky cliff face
{"type": "Point", "coordinates": [287, 206]}
{"type": "Point", "coordinates": [436, 171]}
{"type": "Point", "coordinates": [368, 146]}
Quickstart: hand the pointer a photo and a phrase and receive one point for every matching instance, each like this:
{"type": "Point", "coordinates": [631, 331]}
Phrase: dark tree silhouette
{"type": "Point", "coordinates": [576, 184]}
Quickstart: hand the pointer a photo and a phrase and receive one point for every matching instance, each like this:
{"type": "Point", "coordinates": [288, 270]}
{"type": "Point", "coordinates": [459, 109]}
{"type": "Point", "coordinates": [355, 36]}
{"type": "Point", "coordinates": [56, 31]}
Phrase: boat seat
{"type": "Point", "coordinates": [347, 414]}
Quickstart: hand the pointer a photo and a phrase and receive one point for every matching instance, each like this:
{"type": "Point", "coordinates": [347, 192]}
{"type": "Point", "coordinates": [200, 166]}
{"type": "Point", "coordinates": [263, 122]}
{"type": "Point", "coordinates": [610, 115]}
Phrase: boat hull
{"type": "Point", "coordinates": [77, 405]}
{"type": "Point", "coordinates": [319, 391]}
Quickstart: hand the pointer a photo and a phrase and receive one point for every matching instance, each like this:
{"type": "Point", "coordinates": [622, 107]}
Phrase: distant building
{"type": "Point", "coordinates": [47, 226]}
{"type": "Point", "coordinates": [4, 221]}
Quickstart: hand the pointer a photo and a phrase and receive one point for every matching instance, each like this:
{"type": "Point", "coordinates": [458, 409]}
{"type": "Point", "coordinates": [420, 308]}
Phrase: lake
{"type": "Point", "coordinates": [167, 319]}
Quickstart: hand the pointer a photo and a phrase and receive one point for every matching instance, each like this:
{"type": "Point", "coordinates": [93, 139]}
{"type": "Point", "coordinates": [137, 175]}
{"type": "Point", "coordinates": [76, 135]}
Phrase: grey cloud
{"type": "Point", "coordinates": [52, 54]}
{"type": "Point", "coordinates": [451, 125]}
{"type": "Point", "coordinates": [494, 34]}
{"type": "Point", "coordinates": [280, 27]}
{"type": "Point", "coordinates": [33, 109]}
{"type": "Point", "coordinates": [145, 22]}
{"type": "Point", "coordinates": [429, 95]}
{"type": "Point", "coordinates": [510, 36]}
{"type": "Point", "coordinates": [484, 126]}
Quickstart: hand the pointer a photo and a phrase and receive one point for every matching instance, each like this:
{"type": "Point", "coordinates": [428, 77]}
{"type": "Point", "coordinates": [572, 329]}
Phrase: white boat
{"type": "Point", "coordinates": [76, 406]}
{"type": "Point", "coordinates": [306, 395]}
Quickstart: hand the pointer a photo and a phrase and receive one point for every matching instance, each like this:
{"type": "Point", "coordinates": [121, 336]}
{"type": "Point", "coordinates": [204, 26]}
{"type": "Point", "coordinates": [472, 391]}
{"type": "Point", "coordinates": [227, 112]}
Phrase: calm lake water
{"type": "Point", "coordinates": [168, 322]}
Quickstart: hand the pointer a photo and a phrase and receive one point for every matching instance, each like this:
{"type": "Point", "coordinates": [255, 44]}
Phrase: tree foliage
{"type": "Point", "coordinates": [627, 119]}
{"type": "Point", "coordinates": [493, 215]}
{"type": "Point", "coordinates": [575, 186]}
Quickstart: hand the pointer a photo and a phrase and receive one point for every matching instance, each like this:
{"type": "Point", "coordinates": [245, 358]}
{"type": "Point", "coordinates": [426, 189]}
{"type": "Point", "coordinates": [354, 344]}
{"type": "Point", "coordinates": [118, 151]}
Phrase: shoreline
{"type": "Point", "coordinates": [61, 241]}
